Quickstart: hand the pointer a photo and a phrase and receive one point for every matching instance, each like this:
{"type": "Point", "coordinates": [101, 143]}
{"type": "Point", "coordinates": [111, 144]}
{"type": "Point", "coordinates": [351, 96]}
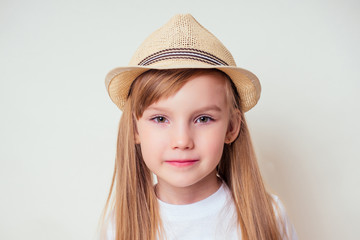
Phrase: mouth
{"type": "Point", "coordinates": [182, 163]}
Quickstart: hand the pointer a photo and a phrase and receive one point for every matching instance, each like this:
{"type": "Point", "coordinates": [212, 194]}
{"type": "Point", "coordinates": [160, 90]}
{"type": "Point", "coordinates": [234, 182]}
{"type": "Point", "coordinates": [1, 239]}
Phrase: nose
{"type": "Point", "coordinates": [182, 137]}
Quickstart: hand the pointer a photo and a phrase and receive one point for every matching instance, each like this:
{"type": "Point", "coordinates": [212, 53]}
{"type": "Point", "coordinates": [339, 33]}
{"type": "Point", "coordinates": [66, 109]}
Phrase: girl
{"type": "Point", "coordinates": [183, 101]}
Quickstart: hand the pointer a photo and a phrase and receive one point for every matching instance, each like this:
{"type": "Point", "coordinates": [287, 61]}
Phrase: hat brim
{"type": "Point", "coordinates": [119, 80]}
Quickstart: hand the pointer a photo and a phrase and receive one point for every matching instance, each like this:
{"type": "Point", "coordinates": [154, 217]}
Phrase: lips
{"type": "Point", "coordinates": [182, 163]}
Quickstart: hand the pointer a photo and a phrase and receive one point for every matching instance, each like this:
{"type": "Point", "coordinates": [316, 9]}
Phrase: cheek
{"type": "Point", "coordinates": [152, 143]}
{"type": "Point", "coordinates": [212, 143]}
{"type": "Point", "coordinates": [215, 148]}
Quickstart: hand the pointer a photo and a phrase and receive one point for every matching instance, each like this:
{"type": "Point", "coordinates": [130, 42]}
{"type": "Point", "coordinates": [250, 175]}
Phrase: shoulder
{"type": "Point", "coordinates": [286, 227]}
{"type": "Point", "coordinates": [107, 229]}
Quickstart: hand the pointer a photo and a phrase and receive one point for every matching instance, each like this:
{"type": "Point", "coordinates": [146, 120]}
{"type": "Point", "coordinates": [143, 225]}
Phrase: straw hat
{"type": "Point", "coordinates": [182, 43]}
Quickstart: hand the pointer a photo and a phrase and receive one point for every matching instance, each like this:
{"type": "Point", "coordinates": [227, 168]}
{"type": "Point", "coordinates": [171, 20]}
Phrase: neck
{"type": "Point", "coordinates": [188, 194]}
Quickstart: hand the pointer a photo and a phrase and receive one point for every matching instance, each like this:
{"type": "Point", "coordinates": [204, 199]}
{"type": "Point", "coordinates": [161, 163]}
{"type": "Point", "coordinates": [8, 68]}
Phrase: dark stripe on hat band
{"type": "Point", "coordinates": [183, 53]}
{"type": "Point", "coordinates": [180, 57]}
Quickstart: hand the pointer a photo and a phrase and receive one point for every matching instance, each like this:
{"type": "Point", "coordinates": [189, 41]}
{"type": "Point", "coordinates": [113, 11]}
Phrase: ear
{"type": "Point", "coordinates": [234, 127]}
{"type": "Point", "coordinates": [137, 138]}
{"type": "Point", "coordinates": [136, 134]}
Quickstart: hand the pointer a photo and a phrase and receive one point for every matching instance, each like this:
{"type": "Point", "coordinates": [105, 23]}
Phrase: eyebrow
{"type": "Point", "coordinates": [203, 109]}
{"type": "Point", "coordinates": [209, 108]}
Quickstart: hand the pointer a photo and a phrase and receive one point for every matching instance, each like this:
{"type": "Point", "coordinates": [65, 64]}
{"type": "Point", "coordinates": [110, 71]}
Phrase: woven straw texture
{"type": "Point", "coordinates": [182, 43]}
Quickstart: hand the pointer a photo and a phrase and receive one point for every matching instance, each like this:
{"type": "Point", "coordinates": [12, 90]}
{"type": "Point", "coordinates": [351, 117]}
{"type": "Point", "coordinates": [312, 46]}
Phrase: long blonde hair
{"type": "Point", "coordinates": [132, 202]}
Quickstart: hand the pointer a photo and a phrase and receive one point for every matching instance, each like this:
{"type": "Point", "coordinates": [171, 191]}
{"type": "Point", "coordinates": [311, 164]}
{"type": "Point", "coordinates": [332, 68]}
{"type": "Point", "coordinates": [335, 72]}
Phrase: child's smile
{"type": "Point", "coordinates": [182, 137]}
{"type": "Point", "coordinates": [182, 162]}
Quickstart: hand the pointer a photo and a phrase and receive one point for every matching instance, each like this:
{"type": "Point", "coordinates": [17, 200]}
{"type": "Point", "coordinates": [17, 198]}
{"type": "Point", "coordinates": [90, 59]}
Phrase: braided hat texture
{"type": "Point", "coordinates": [182, 43]}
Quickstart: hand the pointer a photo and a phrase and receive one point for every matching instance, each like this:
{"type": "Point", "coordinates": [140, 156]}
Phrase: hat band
{"type": "Point", "coordinates": [182, 53]}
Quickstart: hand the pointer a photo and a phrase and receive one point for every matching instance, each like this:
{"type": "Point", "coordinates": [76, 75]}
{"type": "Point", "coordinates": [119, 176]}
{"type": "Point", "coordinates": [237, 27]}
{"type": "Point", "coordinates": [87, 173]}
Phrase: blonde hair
{"type": "Point", "coordinates": [132, 202]}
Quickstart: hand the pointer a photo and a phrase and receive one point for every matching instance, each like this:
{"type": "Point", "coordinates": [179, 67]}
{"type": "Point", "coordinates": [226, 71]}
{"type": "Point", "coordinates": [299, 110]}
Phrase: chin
{"type": "Point", "coordinates": [181, 182]}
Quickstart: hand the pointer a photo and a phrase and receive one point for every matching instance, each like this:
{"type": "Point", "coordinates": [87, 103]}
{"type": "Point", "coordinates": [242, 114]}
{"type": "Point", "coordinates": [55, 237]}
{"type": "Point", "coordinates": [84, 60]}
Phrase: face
{"type": "Point", "coordinates": [182, 137]}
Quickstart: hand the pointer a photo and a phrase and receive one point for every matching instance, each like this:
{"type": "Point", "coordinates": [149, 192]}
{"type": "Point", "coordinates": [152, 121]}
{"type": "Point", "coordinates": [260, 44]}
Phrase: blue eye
{"type": "Point", "coordinates": [204, 119]}
{"type": "Point", "coordinates": [159, 119]}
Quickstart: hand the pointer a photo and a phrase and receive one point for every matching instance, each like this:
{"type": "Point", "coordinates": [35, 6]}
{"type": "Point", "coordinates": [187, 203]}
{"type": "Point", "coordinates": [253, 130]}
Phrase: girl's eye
{"type": "Point", "coordinates": [203, 119]}
{"type": "Point", "coordinates": [159, 119]}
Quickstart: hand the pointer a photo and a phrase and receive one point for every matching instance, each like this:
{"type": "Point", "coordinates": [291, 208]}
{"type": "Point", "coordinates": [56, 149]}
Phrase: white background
{"type": "Point", "coordinates": [58, 127]}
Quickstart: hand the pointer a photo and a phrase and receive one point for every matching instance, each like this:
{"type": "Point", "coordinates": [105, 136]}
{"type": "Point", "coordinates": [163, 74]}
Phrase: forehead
{"type": "Point", "coordinates": [199, 91]}
{"type": "Point", "coordinates": [155, 85]}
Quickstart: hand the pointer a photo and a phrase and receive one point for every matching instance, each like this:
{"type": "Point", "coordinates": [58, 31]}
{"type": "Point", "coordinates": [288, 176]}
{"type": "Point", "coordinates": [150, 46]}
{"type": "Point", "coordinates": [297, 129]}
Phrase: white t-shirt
{"type": "Point", "coordinates": [213, 218]}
